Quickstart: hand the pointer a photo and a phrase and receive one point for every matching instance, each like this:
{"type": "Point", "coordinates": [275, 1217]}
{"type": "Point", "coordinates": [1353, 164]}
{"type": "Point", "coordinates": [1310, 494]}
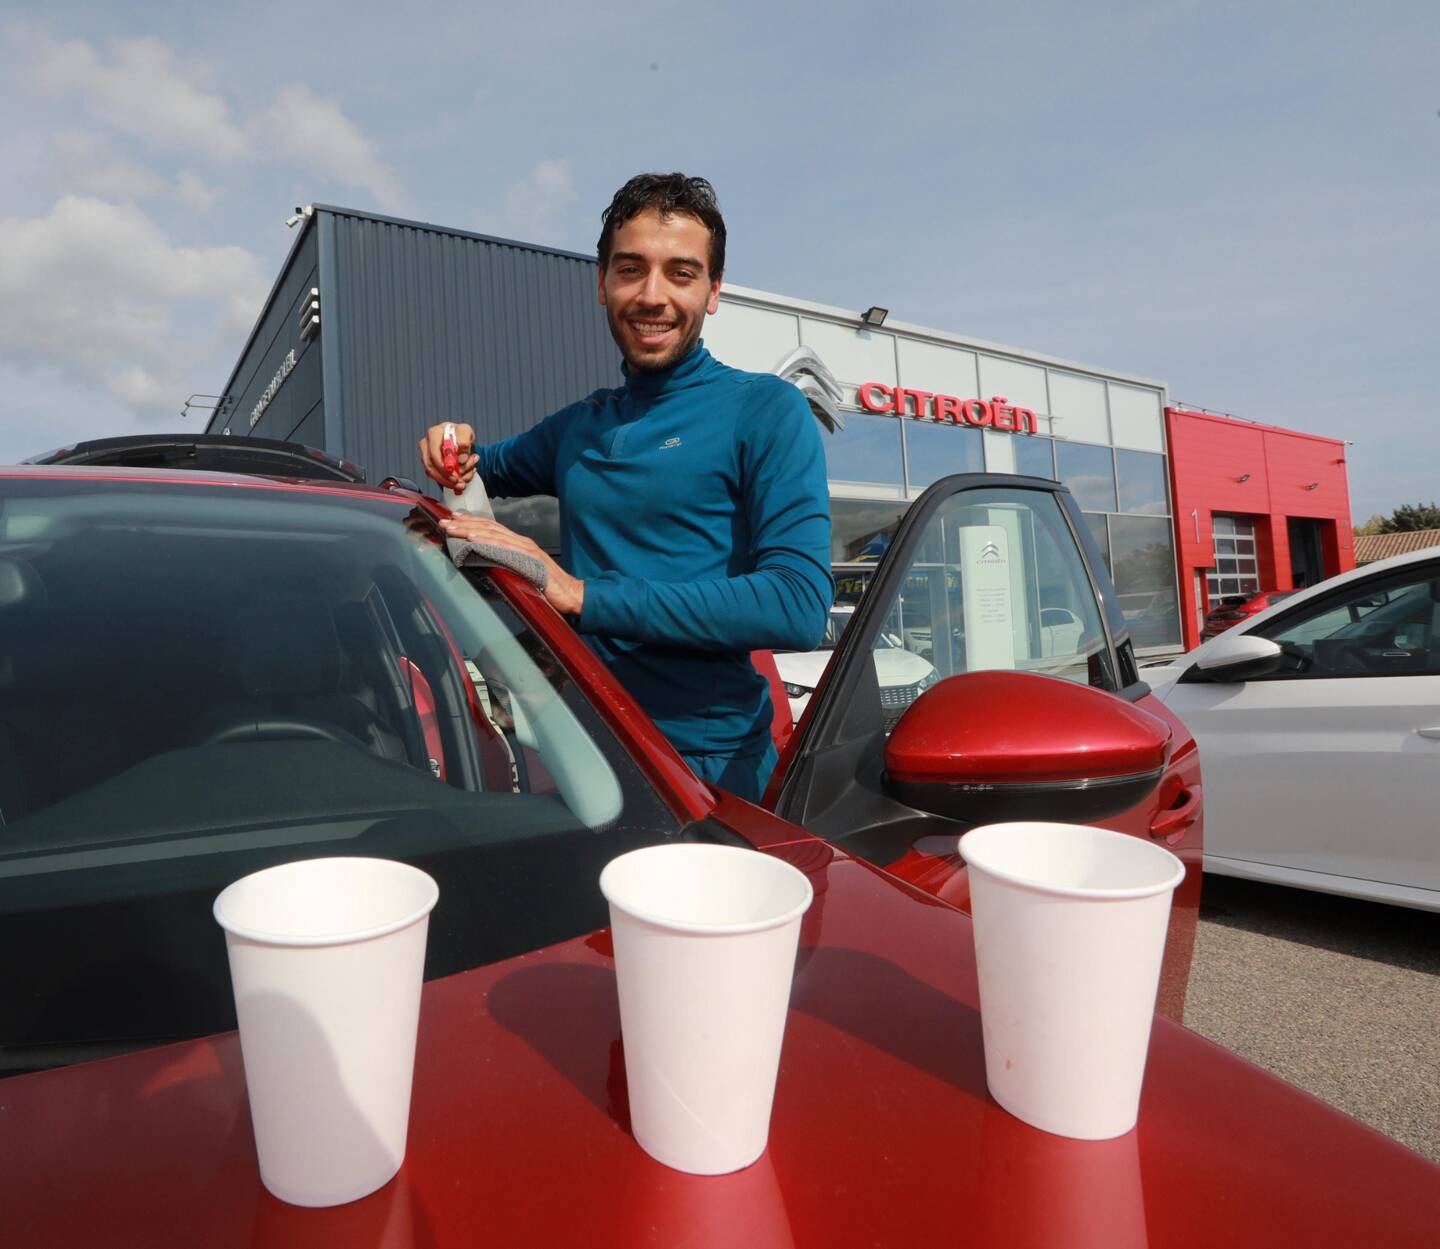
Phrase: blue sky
{"type": "Point", "coordinates": [1242, 200]}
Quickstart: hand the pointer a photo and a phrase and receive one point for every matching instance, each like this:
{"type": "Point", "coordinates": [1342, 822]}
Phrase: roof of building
{"type": "Point", "coordinates": [1229, 418]}
{"type": "Point", "coordinates": [1372, 546]}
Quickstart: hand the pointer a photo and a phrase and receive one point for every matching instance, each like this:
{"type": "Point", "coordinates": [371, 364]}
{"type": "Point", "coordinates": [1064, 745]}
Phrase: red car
{"type": "Point", "coordinates": [206, 674]}
{"type": "Point", "coordinates": [1229, 612]}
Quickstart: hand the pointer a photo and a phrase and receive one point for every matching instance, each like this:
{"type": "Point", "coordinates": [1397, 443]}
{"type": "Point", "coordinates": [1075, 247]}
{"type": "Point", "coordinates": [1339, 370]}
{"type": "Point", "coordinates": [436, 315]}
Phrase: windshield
{"type": "Point", "coordinates": [199, 681]}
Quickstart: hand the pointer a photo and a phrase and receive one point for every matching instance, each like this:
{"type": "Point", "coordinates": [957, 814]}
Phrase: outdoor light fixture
{"type": "Point", "coordinates": [874, 316]}
{"type": "Point", "coordinates": [1243, 478]}
{"type": "Point", "coordinates": [196, 402]}
{"type": "Point", "coordinates": [1314, 485]}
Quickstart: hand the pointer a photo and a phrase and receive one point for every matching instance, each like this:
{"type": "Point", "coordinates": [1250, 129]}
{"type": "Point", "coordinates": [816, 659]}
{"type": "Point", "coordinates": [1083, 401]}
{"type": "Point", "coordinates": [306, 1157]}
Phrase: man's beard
{"type": "Point", "coordinates": [653, 364]}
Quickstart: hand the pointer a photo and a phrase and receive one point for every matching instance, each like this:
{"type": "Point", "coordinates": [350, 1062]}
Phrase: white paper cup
{"type": "Point", "coordinates": [326, 960]}
{"type": "Point", "coordinates": [705, 941]}
{"type": "Point", "coordinates": [1069, 935]}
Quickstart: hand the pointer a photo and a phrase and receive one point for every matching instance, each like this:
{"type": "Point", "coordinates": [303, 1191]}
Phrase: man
{"type": "Point", "coordinates": [694, 513]}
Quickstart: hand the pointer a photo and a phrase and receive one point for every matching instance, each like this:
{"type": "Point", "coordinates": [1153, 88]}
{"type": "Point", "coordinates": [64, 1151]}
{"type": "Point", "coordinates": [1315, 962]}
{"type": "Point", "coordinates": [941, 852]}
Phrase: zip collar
{"type": "Point", "coordinates": [693, 369]}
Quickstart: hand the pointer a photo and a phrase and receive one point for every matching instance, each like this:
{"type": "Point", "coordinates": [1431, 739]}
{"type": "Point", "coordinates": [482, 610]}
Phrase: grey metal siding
{"type": "Point", "coordinates": [437, 326]}
{"type": "Point", "coordinates": [275, 335]}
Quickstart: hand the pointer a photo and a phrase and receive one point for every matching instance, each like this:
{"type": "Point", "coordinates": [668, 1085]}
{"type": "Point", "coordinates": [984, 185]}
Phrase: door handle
{"type": "Point", "coordinates": [1174, 821]}
{"type": "Point", "coordinates": [1431, 733]}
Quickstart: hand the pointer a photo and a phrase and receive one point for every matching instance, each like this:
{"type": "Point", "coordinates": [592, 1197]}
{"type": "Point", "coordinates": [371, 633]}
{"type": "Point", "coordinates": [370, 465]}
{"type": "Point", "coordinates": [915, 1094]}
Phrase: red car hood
{"type": "Point", "coordinates": [883, 1133]}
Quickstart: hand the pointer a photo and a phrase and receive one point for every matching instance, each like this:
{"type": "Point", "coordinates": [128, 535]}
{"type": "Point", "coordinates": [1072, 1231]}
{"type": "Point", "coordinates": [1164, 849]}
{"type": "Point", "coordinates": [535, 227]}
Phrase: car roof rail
{"type": "Point", "coordinates": [221, 453]}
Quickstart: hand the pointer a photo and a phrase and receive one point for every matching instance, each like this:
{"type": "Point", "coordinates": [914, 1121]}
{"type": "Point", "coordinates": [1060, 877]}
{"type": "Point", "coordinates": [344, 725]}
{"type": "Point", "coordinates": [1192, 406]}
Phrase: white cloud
{"type": "Point", "coordinates": [315, 134]}
{"type": "Point", "coordinates": [138, 88]}
{"type": "Point", "coordinates": [96, 291]}
{"type": "Point", "coordinates": [91, 165]}
{"type": "Point", "coordinates": [194, 193]}
{"type": "Point", "coordinates": [143, 391]}
{"type": "Point", "coordinates": [535, 207]}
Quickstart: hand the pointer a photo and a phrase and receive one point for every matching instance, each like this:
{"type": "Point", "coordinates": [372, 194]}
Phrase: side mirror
{"type": "Point", "coordinates": [1238, 657]}
{"type": "Point", "coordinates": [995, 746]}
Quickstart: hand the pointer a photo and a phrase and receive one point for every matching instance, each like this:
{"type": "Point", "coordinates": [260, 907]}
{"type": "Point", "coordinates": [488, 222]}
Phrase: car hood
{"type": "Point", "coordinates": [893, 666]}
{"type": "Point", "coordinates": [882, 1134]}
{"type": "Point", "coordinates": [802, 667]}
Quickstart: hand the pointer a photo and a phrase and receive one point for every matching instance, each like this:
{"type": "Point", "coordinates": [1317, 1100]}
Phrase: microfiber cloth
{"type": "Point", "coordinates": [476, 502]}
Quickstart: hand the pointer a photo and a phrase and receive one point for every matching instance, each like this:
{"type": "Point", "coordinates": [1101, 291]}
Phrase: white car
{"type": "Point", "coordinates": [1319, 729]}
{"type": "Point", "coordinates": [903, 675]}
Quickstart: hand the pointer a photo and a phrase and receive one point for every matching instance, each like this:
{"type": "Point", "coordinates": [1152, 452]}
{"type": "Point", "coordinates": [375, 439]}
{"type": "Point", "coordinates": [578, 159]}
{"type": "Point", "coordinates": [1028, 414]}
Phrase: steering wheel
{"type": "Point", "coordinates": [282, 728]}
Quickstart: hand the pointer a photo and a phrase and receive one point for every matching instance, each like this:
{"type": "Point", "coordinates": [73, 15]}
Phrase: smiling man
{"type": "Point", "coordinates": [694, 509]}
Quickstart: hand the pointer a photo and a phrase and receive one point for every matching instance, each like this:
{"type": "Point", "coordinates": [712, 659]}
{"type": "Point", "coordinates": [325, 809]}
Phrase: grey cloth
{"type": "Point", "coordinates": [476, 502]}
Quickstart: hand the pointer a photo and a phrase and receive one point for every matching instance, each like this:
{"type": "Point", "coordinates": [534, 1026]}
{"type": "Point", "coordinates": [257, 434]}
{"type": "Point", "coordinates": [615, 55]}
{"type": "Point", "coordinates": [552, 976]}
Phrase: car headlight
{"type": "Point", "coordinates": [796, 691]}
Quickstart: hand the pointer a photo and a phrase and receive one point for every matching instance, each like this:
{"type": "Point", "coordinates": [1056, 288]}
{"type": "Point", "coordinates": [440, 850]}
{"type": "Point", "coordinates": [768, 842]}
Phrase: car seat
{"type": "Point", "coordinates": [284, 661]}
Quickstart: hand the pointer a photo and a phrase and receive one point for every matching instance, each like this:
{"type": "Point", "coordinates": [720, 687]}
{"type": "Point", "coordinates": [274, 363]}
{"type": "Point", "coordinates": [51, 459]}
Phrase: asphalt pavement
{"type": "Point", "coordinates": [1337, 996]}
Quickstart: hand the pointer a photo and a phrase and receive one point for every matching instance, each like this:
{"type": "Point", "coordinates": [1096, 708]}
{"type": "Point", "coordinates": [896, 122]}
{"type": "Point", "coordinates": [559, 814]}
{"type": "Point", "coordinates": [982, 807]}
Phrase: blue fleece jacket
{"type": "Point", "coordinates": [694, 506]}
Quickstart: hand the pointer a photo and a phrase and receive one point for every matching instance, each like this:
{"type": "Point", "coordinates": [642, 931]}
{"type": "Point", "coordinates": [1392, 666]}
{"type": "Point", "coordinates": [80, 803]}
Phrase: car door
{"type": "Point", "coordinates": [1331, 765]}
{"type": "Point", "coordinates": [985, 571]}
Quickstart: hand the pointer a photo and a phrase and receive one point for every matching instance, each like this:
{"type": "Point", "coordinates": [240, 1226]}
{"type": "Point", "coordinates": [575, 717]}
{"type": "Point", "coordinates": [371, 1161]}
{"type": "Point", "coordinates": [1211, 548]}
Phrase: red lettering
{"type": "Point", "coordinates": [975, 412]}
{"type": "Point", "coordinates": [920, 397]}
{"type": "Point", "coordinates": [1027, 424]}
{"type": "Point", "coordinates": [1002, 416]}
{"type": "Point", "coordinates": [947, 408]}
{"type": "Point", "coordinates": [868, 401]}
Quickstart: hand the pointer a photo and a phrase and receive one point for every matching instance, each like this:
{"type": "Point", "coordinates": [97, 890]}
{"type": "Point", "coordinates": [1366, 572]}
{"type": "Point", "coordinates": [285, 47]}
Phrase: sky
{"type": "Point", "coordinates": [1239, 200]}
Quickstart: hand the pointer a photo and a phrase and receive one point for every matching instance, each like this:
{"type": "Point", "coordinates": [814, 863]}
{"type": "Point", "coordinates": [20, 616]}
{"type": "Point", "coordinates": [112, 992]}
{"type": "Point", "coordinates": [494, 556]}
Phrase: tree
{"type": "Point", "coordinates": [1376, 524]}
{"type": "Point", "coordinates": [1409, 517]}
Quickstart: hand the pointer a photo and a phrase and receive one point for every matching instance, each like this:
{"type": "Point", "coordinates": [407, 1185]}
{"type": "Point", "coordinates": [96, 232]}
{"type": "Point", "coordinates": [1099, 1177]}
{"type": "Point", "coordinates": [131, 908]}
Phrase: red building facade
{"type": "Point", "coordinates": [1256, 508]}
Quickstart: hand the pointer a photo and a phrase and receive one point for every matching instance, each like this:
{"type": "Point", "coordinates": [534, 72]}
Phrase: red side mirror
{"type": "Point", "coordinates": [992, 746]}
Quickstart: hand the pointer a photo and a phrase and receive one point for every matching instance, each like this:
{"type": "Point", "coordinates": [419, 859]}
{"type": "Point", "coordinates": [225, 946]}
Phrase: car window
{"type": "Point", "coordinates": [198, 682]}
{"type": "Point", "coordinates": [997, 581]}
{"type": "Point", "coordinates": [1376, 627]}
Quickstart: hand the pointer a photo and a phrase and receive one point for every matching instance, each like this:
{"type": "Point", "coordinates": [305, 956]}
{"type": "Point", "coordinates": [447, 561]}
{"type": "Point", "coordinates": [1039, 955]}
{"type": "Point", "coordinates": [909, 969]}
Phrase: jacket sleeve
{"type": "Point", "coordinates": [783, 602]}
{"type": "Point", "coordinates": [524, 464]}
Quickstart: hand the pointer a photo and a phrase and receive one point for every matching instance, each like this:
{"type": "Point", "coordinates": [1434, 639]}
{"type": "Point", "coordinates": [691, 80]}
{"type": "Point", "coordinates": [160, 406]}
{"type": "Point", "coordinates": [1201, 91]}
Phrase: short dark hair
{"type": "Point", "coordinates": [667, 194]}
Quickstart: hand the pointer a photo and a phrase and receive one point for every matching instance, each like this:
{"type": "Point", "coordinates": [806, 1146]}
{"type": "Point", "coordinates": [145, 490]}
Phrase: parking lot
{"type": "Point", "coordinates": [1337, 996]}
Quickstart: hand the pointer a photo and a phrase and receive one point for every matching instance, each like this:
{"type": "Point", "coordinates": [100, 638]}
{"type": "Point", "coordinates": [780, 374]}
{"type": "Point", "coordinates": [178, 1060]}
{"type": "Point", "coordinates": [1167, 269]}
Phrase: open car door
{"type": "Point", "coordinates": [992, 616]}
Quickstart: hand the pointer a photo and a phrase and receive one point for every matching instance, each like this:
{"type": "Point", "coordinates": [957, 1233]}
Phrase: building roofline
{"type": "Point", "coordinates": [1024, 355]}
{"type": "Point", "coordinates": [430, 227]}
{"type": "Point", "coordinates": [1227, 418]}
{"type": "Point", "coordinates": [215, 423]}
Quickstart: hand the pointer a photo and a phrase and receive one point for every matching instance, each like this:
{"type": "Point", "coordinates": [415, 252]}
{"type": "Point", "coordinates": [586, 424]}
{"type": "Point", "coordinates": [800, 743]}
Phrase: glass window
{"type": "Point", "coordinates": [1100, 531]}
{"type": "Point", "coordinates": [1022, 384]}
{"type": "Point", "coordinates": [866, 450]}
{"type": "Point", "coordinates": [1078, 406]}
{"type": "Point", "coordinates": [202, 682]}
{"type": "Point", "coordinates": [1144, 576]}
{"type": "Point", "coordinates": [1135, 418]}
{"type": "Point", "coordinates": [936, 451]}
{"type": "Point", "coordinates": [997, 582]}
{"type": "Point", "coordinates": [940, 370]}
{"type": "Point", "coordinates": [861, 529]}
{"type": "Point", "coordinates": [1380, 626]}
{"type": "Point", "coordinates": [1034, 457]}
{"type": "Point", "coordinates": [1090, 474]}
{"type": "Point", "coordinates": [1141, 479]}
{"type": "Point", "coordinates": [537, 517]}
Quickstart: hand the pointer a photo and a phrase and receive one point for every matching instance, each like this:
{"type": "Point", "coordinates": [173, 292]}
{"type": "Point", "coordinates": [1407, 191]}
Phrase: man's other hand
{"type": "Point", "coordinates": [566, 594]}
{"type": "Point", "coordinates": [433, 458]}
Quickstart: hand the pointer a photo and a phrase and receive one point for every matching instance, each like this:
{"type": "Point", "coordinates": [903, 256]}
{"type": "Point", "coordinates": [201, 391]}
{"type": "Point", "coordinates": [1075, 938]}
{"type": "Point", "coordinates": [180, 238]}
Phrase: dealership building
{"type": "Point", "coordinates": [377, 328]}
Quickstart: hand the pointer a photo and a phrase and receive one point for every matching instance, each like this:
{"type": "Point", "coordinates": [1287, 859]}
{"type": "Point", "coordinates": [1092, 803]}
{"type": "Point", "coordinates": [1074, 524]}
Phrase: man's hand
{"type": "Point", "coordinates": [433, 458]}
{"type": "Point", "coordinates": [566, 594]}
